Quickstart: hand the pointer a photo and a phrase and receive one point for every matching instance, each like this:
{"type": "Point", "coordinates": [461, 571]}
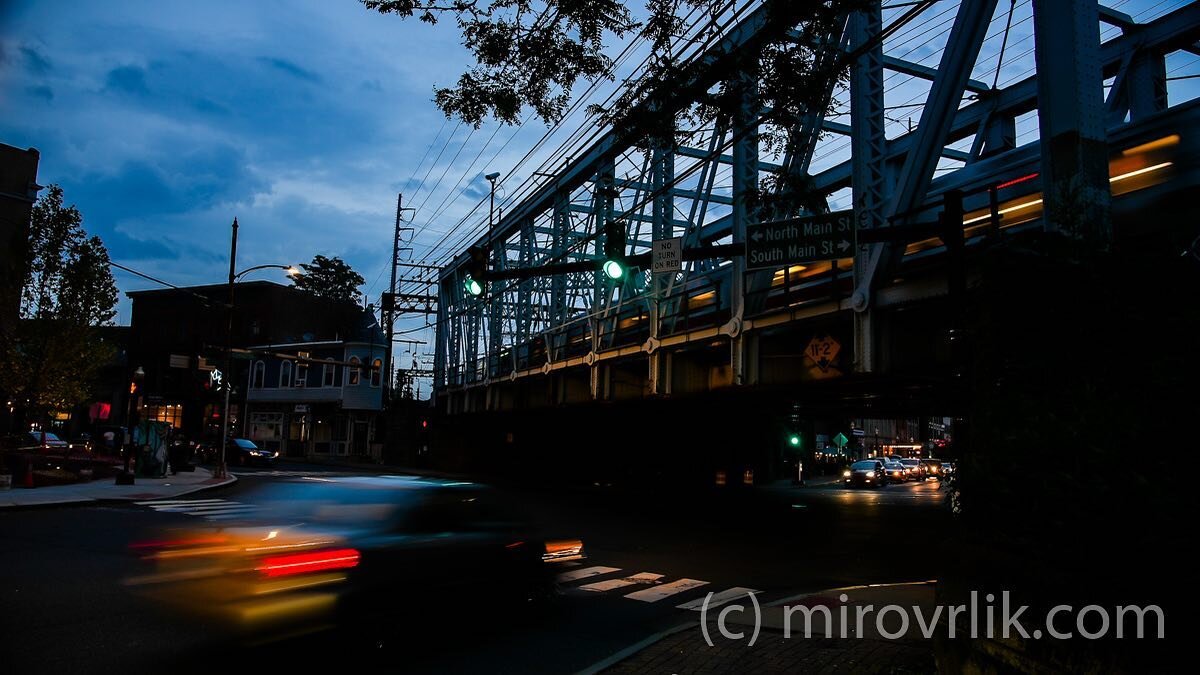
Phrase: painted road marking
{"type": "Point", "coordinates": [718, 599]}
{"type": "Point", "coordinates": [656, 593]}
{"type": "Point", "coordinates": [585, 573]}
{"type": "Point", "coordinates": [176, 502]}
{"type": "Point", "coordinates": [611, 584]}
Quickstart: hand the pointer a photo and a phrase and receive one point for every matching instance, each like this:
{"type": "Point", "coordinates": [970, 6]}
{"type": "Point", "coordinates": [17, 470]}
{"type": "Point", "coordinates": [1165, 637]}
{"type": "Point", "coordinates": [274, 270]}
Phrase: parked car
{"type": "Point", "coordinates": [895, 471]}
{"type": "Point", "coordinates": [32, 441]}
{"type": "Point", "coordinates": [865, 473]}
{"type": "Point", "coordinates": [82, 442]}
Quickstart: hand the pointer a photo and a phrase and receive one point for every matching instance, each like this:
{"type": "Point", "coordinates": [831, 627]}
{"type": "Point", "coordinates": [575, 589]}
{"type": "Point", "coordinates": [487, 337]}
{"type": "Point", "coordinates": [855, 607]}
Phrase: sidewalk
{"type": "Point", "coordinates": [105, 490]}
{"type": "Point", "coordinates": [685, 649]}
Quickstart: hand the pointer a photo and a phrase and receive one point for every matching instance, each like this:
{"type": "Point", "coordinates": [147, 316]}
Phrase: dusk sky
{"type": "Point", "coordinates": [165, 120]}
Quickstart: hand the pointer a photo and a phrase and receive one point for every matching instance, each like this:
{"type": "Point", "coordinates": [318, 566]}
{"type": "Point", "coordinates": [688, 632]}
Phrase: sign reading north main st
{"type": "Point", "coordinates": [800, 240]}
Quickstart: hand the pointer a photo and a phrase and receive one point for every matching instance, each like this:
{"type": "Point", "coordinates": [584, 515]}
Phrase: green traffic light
{"type": "Point", "coordinates": [794, 440]}
{"type": "Point", "coordinates": [613, 269]}
{"type": "Point", "coordinates": [472, 286]}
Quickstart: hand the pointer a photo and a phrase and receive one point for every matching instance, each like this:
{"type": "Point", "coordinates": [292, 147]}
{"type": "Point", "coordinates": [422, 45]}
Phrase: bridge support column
{"type": "Point", "coordinates": [745, 206]}
{"type": "Point", "coordinates": [1071, 119]}
{"type": "Point", "coordinates": [662, 176]}
{"type": "Point", "coordinates": [868, 156]}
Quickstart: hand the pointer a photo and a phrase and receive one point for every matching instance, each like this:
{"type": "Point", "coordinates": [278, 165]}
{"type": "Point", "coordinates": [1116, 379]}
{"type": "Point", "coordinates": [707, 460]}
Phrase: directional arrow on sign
{"type": "Point", "coordinates": [757, 236]}
{"type": "Point", "coordinates": [843, 245]}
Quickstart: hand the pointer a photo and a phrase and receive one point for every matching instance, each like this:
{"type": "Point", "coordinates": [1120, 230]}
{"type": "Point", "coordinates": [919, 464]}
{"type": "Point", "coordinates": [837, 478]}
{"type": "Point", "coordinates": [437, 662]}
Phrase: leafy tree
{"type": "Point", "coordinates": [531, 53]}
{"type": "Point", "coordinates": [330, 278]}
{"type": "Point", "coordinates": [68, 288]}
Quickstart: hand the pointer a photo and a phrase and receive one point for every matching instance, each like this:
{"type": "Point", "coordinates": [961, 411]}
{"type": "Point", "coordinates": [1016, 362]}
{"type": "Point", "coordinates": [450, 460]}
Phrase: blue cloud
{"type": "Point", "coordinates": [127, 79]}
{"type": "Point", "coordinates": [40, 91]}
{"type": "Point", "coordinates": [290, 68]}
{"type": "Point", "coordinates": [210, 107]}
{"type": "Point", "coordinates": [34, 61]}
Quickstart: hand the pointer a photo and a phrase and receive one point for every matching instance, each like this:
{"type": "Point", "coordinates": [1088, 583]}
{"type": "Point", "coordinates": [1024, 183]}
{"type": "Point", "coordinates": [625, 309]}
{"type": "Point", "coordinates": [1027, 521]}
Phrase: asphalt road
{"type": "Point", "coordinates": [64, 608]}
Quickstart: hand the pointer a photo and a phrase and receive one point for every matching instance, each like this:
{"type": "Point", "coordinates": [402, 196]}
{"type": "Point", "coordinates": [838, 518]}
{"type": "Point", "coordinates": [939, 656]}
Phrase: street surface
{"type": "Point", "coordinates": [651, 560]}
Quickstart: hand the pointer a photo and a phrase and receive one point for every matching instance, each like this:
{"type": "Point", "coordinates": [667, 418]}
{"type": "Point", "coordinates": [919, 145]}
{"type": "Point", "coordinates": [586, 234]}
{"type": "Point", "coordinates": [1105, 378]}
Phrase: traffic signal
{"type": "Point", "coordinates": [614, 249]}
{"type": "Point", "coordinates": [793, 440]}
{"type": "Point", "coordinates": [476, 271]}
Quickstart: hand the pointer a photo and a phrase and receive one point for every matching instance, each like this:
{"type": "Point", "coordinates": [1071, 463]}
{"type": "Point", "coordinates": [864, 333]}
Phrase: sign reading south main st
{"type": "Point", "coordinates": [800, 240]}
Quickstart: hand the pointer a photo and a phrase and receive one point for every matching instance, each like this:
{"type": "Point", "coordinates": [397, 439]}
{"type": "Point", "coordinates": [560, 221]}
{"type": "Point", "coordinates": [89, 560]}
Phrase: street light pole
{"type": "Point", "coordinates": [491, 177]}
{"type": "Point", "coordinates": [126, 476]}
{"type": "Point", "coordinates": [222, 469]}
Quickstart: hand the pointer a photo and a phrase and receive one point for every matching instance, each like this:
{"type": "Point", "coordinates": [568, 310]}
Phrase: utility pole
{"type": "Point", "coordinates": [227, 380]}
{"type": "Point", "coordinates": [389, 309]}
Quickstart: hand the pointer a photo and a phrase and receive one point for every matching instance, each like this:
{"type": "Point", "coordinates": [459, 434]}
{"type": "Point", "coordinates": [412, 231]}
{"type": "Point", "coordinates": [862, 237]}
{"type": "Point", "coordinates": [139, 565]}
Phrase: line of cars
{"type": "Point", "coordinates": [881, 471]}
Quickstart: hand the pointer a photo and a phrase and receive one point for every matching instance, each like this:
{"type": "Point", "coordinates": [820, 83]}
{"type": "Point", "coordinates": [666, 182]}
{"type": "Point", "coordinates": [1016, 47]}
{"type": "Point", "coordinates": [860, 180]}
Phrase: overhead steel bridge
{"type": "Point", "coordinates": [1109, 146]}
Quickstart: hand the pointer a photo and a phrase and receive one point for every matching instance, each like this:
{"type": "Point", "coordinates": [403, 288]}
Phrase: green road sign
{"type": "Point", "coordinates": [840, 440]}
{"type": "Point", "coordinates": [800, 240]}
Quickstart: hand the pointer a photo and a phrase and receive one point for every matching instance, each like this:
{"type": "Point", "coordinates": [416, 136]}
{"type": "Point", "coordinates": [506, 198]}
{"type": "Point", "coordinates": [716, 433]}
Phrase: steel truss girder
{"type": "Point", "coordinates": [1134, 59]}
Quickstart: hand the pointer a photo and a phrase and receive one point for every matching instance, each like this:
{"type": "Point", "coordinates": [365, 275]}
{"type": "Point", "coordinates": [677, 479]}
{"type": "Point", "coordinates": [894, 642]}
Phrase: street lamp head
{"type": "Point", "coordinates": [139, 373]}
{"type": "Point", "coordinates": [492, 176]}
{"type": "Point", "coordinates": [293, 271]}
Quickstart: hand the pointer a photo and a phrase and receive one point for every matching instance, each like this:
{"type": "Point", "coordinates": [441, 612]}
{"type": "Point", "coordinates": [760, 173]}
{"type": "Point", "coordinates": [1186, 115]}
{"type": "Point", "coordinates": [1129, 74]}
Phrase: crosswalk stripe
{"type": "Point", "coordinates": [656, 593]}
{"type": "Point", "coordinates": [585, 573]}
{"type": "Point", "coordinates": [175, 502]}
{"type": "Point", "coordinates": [205, 507]}
{"type": "Point", "coordinates": [611, 584]}
{"type": "Point", "coordinates": [718, 599]}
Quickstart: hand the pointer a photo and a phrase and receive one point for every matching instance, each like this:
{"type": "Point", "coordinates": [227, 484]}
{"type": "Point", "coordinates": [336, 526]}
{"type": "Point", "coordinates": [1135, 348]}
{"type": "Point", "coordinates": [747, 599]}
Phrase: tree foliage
{"type": "Point", "coordinates": [531, 54]}
{"type": "Point", "coordinates": [68, 289]}
{"type": "Point", "coordinates": [330, 278]}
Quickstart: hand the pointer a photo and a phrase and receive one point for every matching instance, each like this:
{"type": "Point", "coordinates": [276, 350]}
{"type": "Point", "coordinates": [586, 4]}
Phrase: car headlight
{"type": "Point", "coordinates": [846, 473]}
{"type": "Point", "coordinates": [275, 454]}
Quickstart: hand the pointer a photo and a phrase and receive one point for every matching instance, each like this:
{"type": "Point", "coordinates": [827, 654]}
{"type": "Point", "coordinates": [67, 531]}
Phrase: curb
{"type": "Point", "coordinates": [633, 649]}
{"type": "Point", "coordinates": [114, 500]}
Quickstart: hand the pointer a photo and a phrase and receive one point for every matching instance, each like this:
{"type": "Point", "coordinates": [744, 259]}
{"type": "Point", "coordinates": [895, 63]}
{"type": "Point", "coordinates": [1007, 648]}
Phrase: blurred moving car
{"type": "Point", "coordinates": [895, 471]}
{"type": "Point", "coordinates": [344, 549]}
{"type": "Point", "coordinates": [947, 469]}
{"type": "Point", "coordinates": [865, 473]}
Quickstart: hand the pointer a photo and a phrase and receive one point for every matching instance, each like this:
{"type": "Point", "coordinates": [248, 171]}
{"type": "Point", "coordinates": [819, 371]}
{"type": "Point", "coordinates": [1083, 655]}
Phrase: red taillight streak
{"type": "Point", "coordinates": [283, 565]}
{"type": "Point", "coordinates": [1017, 181]}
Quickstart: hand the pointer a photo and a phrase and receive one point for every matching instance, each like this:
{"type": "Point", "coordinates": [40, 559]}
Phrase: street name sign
{"type": "Point", "coordinates": [827, 236]}
{"type": "Point", "coordinates": [666, 256]}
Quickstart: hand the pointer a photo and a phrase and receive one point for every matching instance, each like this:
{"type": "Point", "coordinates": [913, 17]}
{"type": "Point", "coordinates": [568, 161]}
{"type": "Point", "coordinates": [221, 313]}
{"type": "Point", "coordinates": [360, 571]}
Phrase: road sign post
{"type": "Point", "coordinates": [827, 236]}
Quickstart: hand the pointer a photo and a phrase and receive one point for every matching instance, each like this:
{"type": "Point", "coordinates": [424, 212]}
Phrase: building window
{"type": "Point", "coordinates": [353, 372]}
{"type": "Point", "coordinates": [285, 374]}
{"type": "Point", "coordinates": [171, 413]}
{"type": "Point", "coordinates": [260, 374]}
{"type": "Point", "coordinates": [302, 370]}
{"type": "Point", "coordinates": [328, 372]}
{"type": "Point", "coordinates": [376, 372]}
